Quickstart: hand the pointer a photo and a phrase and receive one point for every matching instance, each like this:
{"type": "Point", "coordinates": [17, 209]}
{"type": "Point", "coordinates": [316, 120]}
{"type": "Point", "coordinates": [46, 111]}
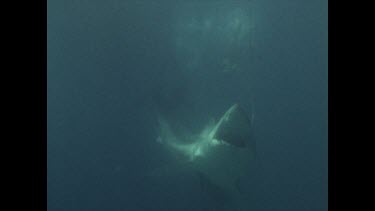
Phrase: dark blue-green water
{"type": "Point", "coordinates": [114, 65]}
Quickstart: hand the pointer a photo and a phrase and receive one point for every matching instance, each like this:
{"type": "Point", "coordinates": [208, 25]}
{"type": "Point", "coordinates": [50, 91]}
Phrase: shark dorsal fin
{"type": "Point", "coordinates": [234, 127]}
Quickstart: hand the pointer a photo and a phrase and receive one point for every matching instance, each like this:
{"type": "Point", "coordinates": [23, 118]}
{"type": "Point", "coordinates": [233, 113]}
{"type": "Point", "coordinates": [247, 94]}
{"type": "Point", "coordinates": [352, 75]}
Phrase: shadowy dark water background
{"type": "Point", "coordinates": [114, 65]}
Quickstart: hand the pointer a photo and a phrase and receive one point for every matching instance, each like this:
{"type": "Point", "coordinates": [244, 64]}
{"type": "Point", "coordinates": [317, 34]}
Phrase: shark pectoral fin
{"type": "Point", "coordinates": [212, 190]}
{"type": "Point", "coordinates": [203, 181]}
{"type": "Point", "coordinates": [239, 186]}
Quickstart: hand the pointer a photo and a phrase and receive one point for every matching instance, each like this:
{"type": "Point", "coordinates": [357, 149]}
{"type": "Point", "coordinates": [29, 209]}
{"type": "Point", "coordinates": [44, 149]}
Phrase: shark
{"type": "Point", "coordinates": [221, 154]}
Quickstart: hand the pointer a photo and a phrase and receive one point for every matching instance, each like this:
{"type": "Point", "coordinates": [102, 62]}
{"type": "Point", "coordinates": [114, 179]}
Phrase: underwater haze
{"type": "Point", "coordinates": [115, 67]}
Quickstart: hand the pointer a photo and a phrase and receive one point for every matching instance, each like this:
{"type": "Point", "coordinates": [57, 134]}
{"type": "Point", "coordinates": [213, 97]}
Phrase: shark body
{"type": "Point", "coordinates": [221, 154]}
